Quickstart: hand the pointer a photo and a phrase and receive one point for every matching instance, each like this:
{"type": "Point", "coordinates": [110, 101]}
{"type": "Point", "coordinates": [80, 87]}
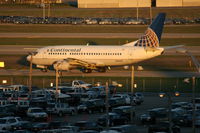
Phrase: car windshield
{"type": "Point", "coordinates": [2, 121]}
{"type": "Point", "coordinates": [117, 110]}
{"type": "Point", "coordinates": [81, 82]}
{"type": "Point", "coordinates": [19, 119]}
{"type": "Point", "coordinates": [36, 110]}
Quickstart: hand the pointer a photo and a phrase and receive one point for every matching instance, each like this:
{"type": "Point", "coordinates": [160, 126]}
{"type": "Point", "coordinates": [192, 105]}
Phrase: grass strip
{"type": "Point", "coordinates": [93, 41]}
{"type": "Point", "coordinates": [45, 28]}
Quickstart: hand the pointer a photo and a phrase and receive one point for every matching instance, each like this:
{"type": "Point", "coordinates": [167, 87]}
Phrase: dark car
{"type": "Point", "coordinates": [57, 124]}
{"type": "Point", "coordinates": [163, 127]}
{"type": "Point", "coordinates": [186, 120]}
{"type": "Point", "coordinates": [4, 112]}
{"type": "Point", "coordinates": [116, 101]}
{"type": "Point", "coordinates": [125, 128]}
{"type": "Point", "coordinates": [125, 111]}
{"type": "Point", "coordinates": [154, 115]}
{"type": "Point", "coordinates": [22, 131]}
{"type": "Point", "coordinates": [39, 126]}
{"type": "Point", "coordinates": [158, 114]}
{"type": "Point", "coordinates": [92, 105]}
{"type": "Point", "coordinates": [87, 125]}
{"type": "Point", "coordinates": [23, 125]}
{"type": "Point", "coordinates": [113, 119]}
{"type": "Point", "coordinates": [88, 131]}
{"type": "Point", "coordinates": [147, 119]}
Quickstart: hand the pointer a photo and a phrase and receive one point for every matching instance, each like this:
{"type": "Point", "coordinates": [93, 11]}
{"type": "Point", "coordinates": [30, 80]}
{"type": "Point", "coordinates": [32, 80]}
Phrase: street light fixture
{"type": "Point", "coordinates": [169, 96]}
{"type": "Point", "coordinates": [195, 61]}
{"type": "Point", "coordinates": [197, 65]}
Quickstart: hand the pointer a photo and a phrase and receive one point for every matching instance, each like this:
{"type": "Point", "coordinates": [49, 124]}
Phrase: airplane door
{"type": "Point", "coordinates": [131, 53]}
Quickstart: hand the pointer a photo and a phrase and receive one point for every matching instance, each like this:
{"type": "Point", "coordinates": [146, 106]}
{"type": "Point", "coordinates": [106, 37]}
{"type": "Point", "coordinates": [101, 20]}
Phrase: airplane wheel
{"type": "Point", "coordinates": [87, 70]}
{"type": "Point", "coordinates": [44, 70]}
{"type": "Point", "coordinates": [102, 70]}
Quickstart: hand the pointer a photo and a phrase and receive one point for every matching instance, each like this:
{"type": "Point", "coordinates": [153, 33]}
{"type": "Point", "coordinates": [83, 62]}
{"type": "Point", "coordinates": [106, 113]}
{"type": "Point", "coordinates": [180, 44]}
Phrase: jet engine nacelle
{"type": "Point", "coordinates": [62, 65]}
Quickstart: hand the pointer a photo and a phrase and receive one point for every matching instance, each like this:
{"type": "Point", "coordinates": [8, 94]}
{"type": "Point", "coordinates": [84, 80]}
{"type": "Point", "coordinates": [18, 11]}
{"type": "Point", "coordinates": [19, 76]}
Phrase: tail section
{"type": "Point", "coordinates": [152, 36]}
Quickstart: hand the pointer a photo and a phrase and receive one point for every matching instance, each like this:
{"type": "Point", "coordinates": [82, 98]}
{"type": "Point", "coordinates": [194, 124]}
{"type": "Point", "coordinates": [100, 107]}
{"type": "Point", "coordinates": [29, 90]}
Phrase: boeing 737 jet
{"type": "Point", "coordinates": [100, 58]}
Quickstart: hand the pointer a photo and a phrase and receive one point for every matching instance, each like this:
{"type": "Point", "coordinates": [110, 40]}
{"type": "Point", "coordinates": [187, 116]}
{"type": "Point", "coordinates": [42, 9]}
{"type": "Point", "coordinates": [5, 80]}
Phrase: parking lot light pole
{"type": "Point", "coordinates": [107, 106]}
{"type": "Point", "coordinates": [197, 65]}
{"type": "Point", "coordinates": [57, 75]}
{"type": "Point", "coordinates": [193, 105]}
{"type": "Point", "coordinates": [132, 90]}
{"type": "Point", "coordinates": [169, 96]}
{"type": "Point", "coordinates": [30, 74]}
{"type": "Point", "coordinates": [137, 11]}
{"type": "Point", "coordinates": [150, 12]}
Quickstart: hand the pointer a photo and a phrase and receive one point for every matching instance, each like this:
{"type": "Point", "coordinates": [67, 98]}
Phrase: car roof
{"type": "Point", "coordinates": [123, 107]}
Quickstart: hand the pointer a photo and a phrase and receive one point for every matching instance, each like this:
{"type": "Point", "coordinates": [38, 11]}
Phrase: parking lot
{"type": "Point", "coordinates": [90, 21]}
{"type": "Point", "coordinates": [151, 100]}
{"type": "Point", "coordinates": [75, 106]}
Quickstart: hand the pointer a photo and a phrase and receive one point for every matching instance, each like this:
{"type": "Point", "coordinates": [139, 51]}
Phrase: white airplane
{"type": "Point", "coordinates": [101, 58]}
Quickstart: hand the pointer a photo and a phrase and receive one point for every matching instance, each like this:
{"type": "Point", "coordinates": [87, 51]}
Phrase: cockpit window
{"type": "Point", "coordinates": [34, 53]}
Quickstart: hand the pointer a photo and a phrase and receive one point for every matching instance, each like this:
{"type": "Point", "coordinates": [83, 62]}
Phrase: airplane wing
{"type": "Point", "coordinates": [172, 47]}
{"type": "Point", "coordinates": [77, 62]}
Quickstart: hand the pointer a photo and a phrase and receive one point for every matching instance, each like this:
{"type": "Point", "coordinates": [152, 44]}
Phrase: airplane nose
{"type": "Point", "coordinates": [28, 58]}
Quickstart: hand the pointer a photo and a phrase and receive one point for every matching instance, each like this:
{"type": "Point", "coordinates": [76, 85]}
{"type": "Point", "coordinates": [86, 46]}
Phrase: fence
{"type": "Point", "coordinates": [143, 84]}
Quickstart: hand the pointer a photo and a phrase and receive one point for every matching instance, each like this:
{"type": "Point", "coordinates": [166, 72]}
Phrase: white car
{"type": "Point", "coordinates": [61, 109]}
{"type": "Point", "coordinates": [36, 113]}
{"type": "Point", "coordinates": [81, 84]}
{"type": "Point", "coordinates": [124, 96]}
{"type": "Point", "coordinates": [6, 123]}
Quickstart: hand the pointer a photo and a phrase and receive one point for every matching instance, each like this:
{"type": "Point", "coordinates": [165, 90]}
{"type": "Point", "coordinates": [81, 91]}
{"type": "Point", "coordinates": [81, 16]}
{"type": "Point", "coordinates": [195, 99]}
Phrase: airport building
{"type": "Point", "coordinates": [177, 3]}
{"type": "Point", "coordinates": [113, 3]}
{"type": "Point", "coordinates": [136, 3]}
{"type": "Point", "coordinates": [30, 1]}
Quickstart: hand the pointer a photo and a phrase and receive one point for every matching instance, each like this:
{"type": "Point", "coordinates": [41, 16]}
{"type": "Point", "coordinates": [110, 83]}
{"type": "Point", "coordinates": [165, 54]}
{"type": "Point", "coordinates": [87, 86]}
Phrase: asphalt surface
{"type": "Point", "coordinates": [114, 73]}
{"type": "Point", "coordinates": [25, 49]}
{"type": "Point", "coordinates": [149, 98]}
{"type": "Point", "coordinates": [93, 35]}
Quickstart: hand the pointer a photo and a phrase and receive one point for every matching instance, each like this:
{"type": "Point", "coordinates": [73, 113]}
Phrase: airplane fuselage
{"type": "Point", "coordinates": [98, 55]}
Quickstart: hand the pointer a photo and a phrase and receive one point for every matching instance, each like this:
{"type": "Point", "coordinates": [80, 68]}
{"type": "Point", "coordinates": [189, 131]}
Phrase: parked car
{"type": "Point", "coordinates": [39, 126]}
{"type": "Point", "coordinates": [88, 131]}
{"type": "Point", "coordinates": [125, 111]}
{"type": "Point", "coordinates": [159, 114]}
{"type": "Point", "coordinates": [21, 131]}
{"type": "Point", "coordinates": [75, 129]}
{"type": "Point", "coordinates": [113, 119]}
{"type": "Point", "coordinates": [125, 96]}
{"type": "Point", "coordinates": [4, 112]}
{"type": "Point", "coordinates": [179, 104]}
{"type": "Point", "coordinates": [116, 101]}
{"type": "Point", "coordinates": [81, 84]}
{"type": "Point", "coordinates": [35, 113]}
{"type": "Point", "coordinates": [23, 125]}
{"type": "Point", "coordinates": [56, 131]}
{"type": "Point", "coordinates": [61, 109]}
{"type": "Point", "coordinates": [140, 96]}
{"type": "Point", "coordinates": [57, 124]}
{"type": "Point", "coordinates": [163, 127]}
{"type": "Point", "coordinates": [6, 123]}
{"type": "Point", "coordinates": [147, 119]}
{"type": "Point", "coordinates": [125, 128]}
{"type": "Point", "coordinates": [92, 105]}
{"type": "Point", "coordinates": [87, 125]}
{"type": "Point", "coordinates": [154, 115]}
{"type": "Point", "coordinates": [109, 131]}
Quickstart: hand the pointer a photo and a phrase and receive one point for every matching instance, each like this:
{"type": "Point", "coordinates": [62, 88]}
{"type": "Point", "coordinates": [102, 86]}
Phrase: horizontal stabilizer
{"type": "Point", "coordinates": [172, 47]}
